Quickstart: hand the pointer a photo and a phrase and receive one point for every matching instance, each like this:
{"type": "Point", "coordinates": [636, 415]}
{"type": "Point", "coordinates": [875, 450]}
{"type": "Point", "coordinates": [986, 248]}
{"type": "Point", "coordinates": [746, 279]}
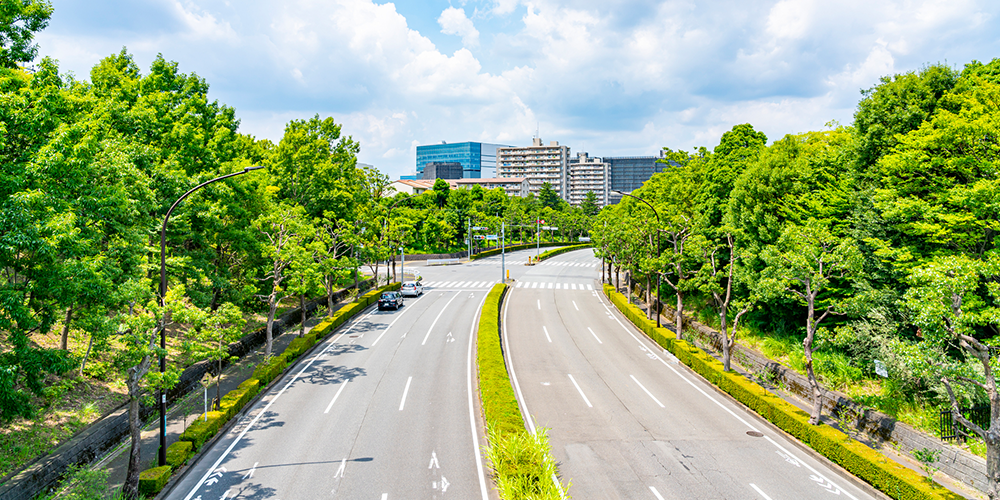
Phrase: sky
{"type": "Point", "coordinates": [606, 77]}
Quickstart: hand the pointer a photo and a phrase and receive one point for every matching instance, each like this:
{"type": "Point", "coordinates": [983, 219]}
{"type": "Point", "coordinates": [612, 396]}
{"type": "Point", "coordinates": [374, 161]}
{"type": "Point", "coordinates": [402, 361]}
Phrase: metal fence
{"type": "Point", "coordinates": [949, 429]}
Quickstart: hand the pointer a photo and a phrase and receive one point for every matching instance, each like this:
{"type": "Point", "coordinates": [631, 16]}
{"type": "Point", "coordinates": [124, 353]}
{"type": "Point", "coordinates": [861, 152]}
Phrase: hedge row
{"type": "Point", "coordinates": [513, 248]}
{"type": "Point", "coordinates": [869, 465]}
{"type": "Point", "coordinates": [151, 481]}
{"type": "Point", "coordinates": [500, 410]}
{"type": "Point", "coordinates": [556, 251]}
{"type": "Point", "coordinates": [523, 466]}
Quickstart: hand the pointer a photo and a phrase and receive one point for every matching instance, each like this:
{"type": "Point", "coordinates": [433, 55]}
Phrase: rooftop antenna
{"type": "Point", "coordinates": [536, 130]}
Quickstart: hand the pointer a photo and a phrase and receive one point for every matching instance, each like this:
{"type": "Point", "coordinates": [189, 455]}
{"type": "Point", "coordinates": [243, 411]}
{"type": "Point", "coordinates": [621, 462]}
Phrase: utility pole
{"type": "Point", "coordinates": [503, 254]}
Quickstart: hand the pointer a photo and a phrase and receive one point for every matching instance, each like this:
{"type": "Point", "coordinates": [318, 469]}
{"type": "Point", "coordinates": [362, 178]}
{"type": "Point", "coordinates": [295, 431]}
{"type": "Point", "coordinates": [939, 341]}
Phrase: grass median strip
{"type": "Point", "coordinates": [522, 463]}
{"type": "Point", "coordinates": [871, 466]}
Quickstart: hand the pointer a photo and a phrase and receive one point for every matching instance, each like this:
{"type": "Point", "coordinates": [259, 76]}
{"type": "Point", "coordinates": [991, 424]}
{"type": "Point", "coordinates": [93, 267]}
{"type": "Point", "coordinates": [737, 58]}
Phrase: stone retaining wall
{"type": "Point", "coordinates": [44, 473]}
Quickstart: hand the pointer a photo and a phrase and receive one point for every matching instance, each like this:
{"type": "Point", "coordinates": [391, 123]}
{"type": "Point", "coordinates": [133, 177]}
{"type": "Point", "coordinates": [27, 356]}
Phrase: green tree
{"type": "Point", "coordinates": [954, 300]}
{"type": "Point", "coordinates": [209, 334]}
{"type": "Point", "coordinates": [803, 265]}
{"type": "Point", "coordinates": [285, 229]}
{"type": "Point", "coordinates": [19, 21]}
{"type": "Point", "coordinates": [548, 197]}
{"type": "Point", "coordinates": [589, 206]}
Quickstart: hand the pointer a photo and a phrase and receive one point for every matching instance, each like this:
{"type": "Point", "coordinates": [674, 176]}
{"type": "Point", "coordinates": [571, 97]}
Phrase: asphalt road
{"type": "Point", "coordinates": [383, 410]}
{"type": "Point", "coordinates": [626, 419]}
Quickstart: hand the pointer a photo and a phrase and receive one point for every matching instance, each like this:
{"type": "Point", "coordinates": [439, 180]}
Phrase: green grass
{"type": "Point", "coordinates": [522, 465]}
{"type": "Point", "coordinates": [82, 483]}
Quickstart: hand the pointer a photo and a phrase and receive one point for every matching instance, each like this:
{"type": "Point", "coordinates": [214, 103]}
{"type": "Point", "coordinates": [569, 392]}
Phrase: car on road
{"type": "Point", "coordinates": [411, 289]}
{"type": "Point", "coordinates": [390, 299]}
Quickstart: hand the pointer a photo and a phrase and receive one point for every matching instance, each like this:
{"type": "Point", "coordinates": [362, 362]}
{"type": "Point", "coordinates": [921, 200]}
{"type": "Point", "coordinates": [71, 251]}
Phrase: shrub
{"type": "Point", "coordinates": [178, 453]}
{"type": "Point", "coordinates": [522, 465]}
{"type": "Point", "coordinates": [151, 481]}
{"type": "Point", "coordinates": [552, 253]}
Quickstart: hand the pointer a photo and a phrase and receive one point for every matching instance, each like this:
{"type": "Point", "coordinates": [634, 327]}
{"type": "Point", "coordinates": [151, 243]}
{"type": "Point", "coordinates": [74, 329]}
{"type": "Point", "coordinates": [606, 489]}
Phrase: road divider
{"type": "Point", "coordinates": [522, 462]}
{"type": "Point", "coordinates": [203, 428]}
{"type": "Point", "coordinates": [871, 466]}
{"type": "Point", "coordinates": [557, 251]}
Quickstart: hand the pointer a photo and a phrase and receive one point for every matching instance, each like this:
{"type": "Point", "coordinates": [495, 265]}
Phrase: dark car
{"type": "Point", "coordinates": [390, 299]}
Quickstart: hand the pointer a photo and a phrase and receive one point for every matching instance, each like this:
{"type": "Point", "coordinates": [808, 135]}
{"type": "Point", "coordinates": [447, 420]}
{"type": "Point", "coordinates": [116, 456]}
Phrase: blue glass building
{"type": "Point", "coordinates": [475, 157]}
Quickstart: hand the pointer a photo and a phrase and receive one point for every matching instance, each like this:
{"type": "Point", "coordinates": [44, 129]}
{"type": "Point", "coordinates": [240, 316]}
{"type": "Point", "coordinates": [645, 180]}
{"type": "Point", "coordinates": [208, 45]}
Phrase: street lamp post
{"type": "Point", "coordinates": [658, 251]}
{"type": "Point", "coordinates": [402, 265]}
{"type": "Point", "coordinates": [162, 396]}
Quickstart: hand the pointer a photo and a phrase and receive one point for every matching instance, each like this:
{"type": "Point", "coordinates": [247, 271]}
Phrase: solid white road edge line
{"type": "Point", "coordinates": [578, 389]}
{"type": "Point", "coordinates": [656, 493]}
{"type": "Point", "coordinates": [754, 486]}
{"type": "Point", "coordinates": [510, 370]}
{"type": "Point", "coordinates": [595, 336]}
{"type": "Point", "coordinates": [472, 409]}
{"type": "Point", "coordinates": [720, 405]}
{"type": "Point", "coordinates": [650, 394]}
{"type": "Point", "coordinates": [263, 411]}
{"type": "Point", "coordinates": [405, 390]}
{"type": "Point", "coordinates": [337, 395]}
{"type": "Point", "coordinates": [546, 330]}
{"type": "Point", "coordinates": [400, 315]}
{"type": "Point", "coordinates": [437, 318]}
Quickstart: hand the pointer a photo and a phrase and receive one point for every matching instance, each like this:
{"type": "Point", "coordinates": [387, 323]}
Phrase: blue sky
{"type": "Point", "coordinates": [609, 77]}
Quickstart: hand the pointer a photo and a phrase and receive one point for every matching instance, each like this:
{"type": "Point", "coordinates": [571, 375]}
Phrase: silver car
{"type": "Point", "coordinates": [412, 289]}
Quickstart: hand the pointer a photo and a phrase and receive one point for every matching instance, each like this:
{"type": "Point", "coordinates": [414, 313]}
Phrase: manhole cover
{"type": "Point", "coordinates": [755, 434]}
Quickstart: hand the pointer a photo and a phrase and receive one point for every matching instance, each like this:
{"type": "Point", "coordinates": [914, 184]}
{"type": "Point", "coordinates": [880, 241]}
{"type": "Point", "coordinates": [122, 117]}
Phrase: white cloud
{"type": "Point", "coordinates": [454, 22]}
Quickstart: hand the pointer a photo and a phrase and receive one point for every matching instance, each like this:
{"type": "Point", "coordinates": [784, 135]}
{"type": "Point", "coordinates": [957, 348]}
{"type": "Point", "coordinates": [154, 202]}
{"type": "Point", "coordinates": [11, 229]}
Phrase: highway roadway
{"type": "Point", "coordinates": [626, 419]}
{"type": "Point", "coordinates": [381, 410]}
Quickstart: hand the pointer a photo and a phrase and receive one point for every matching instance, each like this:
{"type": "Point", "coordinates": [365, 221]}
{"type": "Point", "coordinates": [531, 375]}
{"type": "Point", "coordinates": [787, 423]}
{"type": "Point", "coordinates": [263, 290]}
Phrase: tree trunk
{"type": "Point", "coordinates": [272, 303]}
{"type": "Point", "coordinates": [679, 316]}
{"type": "Point", "coordinates": [302, 309]}
{"type": "Point", "coordinates": [64, 338]}
{"type": "Point", "coordinates": [131, 487]}
{"type": "Point", "coordinates": [813, 383]}
{"type": "Point", "coordinates": [649, 300]}
{"type": "Point", "coordinates": [726, 344]}
{"type": "Point", "coordinates": [218, 387]}
{"type": "Point", "coordinates": [993, 463]}
{"type": "Point", "coordinates": [329, 297]}
{"type": "Point", "coordinates": [83, 363]}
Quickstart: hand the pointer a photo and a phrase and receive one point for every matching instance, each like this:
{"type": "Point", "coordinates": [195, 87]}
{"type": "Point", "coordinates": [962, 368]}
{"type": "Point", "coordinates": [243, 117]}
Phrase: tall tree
{"type": "Point", "coordinates": [19, 21]}
{"type": "Point", "coordinates": [803, 265]}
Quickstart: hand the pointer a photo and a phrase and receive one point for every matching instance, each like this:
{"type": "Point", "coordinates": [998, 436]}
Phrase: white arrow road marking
{"type": "Point", "coordinates": [444, 484]}
{"type": "Point", "coordinates": [826, 484]}
{"type": "Point", "coordinates": [249, 475]}
{"type": "Point", "coordinates": [340, 471]}
{"type": "Point", "coordinates": [224, 495]}
{"type": "Point", "coordinates": [754, 486]}
{"type": "Point", "coordinates": [472, 295]}
{"type": "Point", "coordinates": [788, 458]}
{"type": "Point", "coordinates": [214, 478]}
{"type": "Point", "coordinates": [434, 461]}
{"type": "Point", "coordinates": [450, 338]}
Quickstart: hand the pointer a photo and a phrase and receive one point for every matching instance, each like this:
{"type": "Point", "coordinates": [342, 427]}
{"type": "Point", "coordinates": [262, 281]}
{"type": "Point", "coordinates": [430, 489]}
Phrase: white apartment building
{"type": "Point", "coordinates": [588, 174]}
{"type": "Point", "coordinates": [537, 164]}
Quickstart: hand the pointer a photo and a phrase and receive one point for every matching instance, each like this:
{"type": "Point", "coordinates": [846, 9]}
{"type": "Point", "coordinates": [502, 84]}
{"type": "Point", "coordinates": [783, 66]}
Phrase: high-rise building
{"type": "Point", "coordinates": [442, 170]}
{"type": "Point", "coordinates": [476, 158]}
{"type": "Point", "coordinates": [588, 174]}
{"type": "Point", "coordinates": [628, 173]}
{"type": "Point", "coordinates": [538, 164]}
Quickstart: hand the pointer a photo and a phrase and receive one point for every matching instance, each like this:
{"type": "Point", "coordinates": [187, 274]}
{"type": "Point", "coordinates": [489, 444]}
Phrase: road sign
{"type": "Point", "coordinates": [479, 228]}
{"type": "Point", "coordinates": [491, 236]}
